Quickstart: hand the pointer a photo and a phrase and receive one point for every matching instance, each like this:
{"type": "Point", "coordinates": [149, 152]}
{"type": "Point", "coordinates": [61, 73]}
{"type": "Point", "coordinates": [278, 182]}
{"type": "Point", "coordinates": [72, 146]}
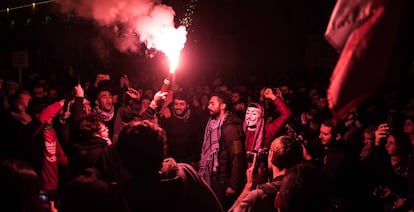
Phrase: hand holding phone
{"type": "Point", "coordinates": [381, 133]}
{"type": "Point", "coordinates": [104, 77]}
{"type": "Point", "coordinates": [390, 122]}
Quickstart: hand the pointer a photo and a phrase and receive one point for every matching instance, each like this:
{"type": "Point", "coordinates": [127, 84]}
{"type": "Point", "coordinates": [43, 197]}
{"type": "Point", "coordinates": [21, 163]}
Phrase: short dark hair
{"type": "Point", "coordinates": [142, 147]}
{"type": "Point", "coordinates": [181, 95]}
{"type": "Point", "coordinates": [336, 128]}
{"type": "Point", "coordinates": [223, 97]}
{"type": "Point", "coordinates": [287, 152]}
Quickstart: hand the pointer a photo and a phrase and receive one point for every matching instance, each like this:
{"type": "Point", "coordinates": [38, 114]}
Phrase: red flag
{"type": "Point", "coordinates": [365, 31]}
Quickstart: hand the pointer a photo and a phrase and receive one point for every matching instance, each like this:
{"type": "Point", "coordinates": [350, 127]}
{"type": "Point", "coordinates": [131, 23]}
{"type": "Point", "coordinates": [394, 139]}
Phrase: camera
{"type": "Point", "coordinates": [261, 155]}
{"type": "Point", "coordinates": [292, 132]}
{"type": "Point", "coordinates": [260, 165]}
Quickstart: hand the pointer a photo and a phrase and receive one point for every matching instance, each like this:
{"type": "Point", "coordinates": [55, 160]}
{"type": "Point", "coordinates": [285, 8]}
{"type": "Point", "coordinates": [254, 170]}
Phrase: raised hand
{"type": "Point", "coordinates": [134, 94]}
{"type": "Point", "coordinates": [268, 93]}
{"type": "Point", "coordinates": [78, 91]}
{"type": "Point", "coordinates": [381, 132]}
{"type": "Point", "coordinates": [159, 97]}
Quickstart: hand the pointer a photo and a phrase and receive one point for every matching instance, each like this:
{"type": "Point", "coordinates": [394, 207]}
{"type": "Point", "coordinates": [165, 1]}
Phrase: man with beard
{"type": "Point", "coordinates": [341, 167]}
{"type": "Point", "coordinates": [183, 131]}
{"type": "Point", "coordinates": [223, 162]}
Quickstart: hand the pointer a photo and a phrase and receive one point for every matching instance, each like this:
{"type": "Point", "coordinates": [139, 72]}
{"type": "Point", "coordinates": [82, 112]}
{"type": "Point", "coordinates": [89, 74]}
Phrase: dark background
{"type": "Point", "coordinates": [276, 40]}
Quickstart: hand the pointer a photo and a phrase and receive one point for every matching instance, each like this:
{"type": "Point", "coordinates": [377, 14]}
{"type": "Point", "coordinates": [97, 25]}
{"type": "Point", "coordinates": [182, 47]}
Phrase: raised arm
{"type": "Point", "coordinates": [275, 125]}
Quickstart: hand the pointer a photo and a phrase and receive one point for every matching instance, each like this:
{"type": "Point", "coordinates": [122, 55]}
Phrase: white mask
{"type": "Point", "coordinates": [252, 116]}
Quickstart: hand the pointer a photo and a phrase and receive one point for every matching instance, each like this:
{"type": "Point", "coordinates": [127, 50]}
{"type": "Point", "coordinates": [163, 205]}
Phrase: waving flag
{"type": "Point", "coordinates": [366, 33]}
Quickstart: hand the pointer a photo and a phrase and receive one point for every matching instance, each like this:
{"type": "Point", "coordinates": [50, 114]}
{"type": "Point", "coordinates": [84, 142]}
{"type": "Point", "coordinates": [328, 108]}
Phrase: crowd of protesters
{"type": "Point", "coordinates": [112, 144]}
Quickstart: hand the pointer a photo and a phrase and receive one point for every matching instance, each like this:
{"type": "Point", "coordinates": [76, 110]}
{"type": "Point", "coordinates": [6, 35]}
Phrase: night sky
{"type": "Point", "coordinates": [275, 39]}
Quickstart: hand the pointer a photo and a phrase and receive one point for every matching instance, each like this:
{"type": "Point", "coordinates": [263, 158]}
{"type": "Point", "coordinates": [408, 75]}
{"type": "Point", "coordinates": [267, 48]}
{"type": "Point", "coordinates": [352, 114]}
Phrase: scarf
{"type": "Point", "coordinates": [211, 146]}
{"type": "Point", "coordinates": [68, 109]}
{"type": "Point", "coordinates": [184, 117]}
{"type": "Point", "coordinates": [258, 132]}
{"type": "Point", "coordinates": [106, 115]}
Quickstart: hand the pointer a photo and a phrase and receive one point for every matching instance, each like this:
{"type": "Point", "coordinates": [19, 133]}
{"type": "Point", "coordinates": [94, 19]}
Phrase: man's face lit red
{"type": "Point", "coordinates": [325, 134]}
{"type": "Point", "coordinates": [105, 100]}
{"type": "Point", "coordinates": [214, 106]}
{"type": "Point", "coordinates": [180, 106]}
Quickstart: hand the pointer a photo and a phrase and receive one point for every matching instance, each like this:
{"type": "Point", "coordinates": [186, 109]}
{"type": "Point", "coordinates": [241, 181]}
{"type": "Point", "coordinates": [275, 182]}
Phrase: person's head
{"type": "Point", "coordinates": [93, 126]}
{"type": "Point", "coordinates": [180, 103]}
{"type": "Point", "coordinates": [20, 100]}
{"type": "Point", "coordinates": [204, 99]}
{"type": "Point", "coordinates": [285, 152]}
{"type": "Point", "coordinates": [52, 94]}
{"type": "Point", "coordinates": [368, 137]}
{"type": "Point", "coordinates": [314, 94]}
{"type": "Point", "coordinates": [86, 106]}
{"type": "Point", "coordinates": [235, 97]}
{"type": "Point", "coordinates": [409, 125]}
{"type": "Point", "coordinates": [104, 100]}
{"type": "Point", "coordinates": [11, 86]}
{"type": "Point", "coordinates": [87, 192]}
{"type": "Point", "coordinates": [310, 113]}
{"type": "Point", "coordinates": [206, 89]}
{"type": "Point", "coordinates": [322, 103]}
{"type": "Point", "coordinates": [218, 104]}
{"type": "Point", "coordinates": [37, 105]}
{"type": "Point", "coordinates": [20, 186]}
{"type": "Point", "coordinates": [145, 102]}
{"type": "Point", "coordinates": [368, 134]}
{"type": "Point", "coordinates": [254, 113]}
{"type": "Point", "coordinates": [304, 188]}
{"type": "Point", "coordinates": [398, 144]}
{"type": "Point", "coordinates": [285, 89]}
{"type": "Point", "coordinates": [195, 102]}
{"type": "Point", "coordinates": [149, 93]}
{"type": "Point", "coordinates": [142, 147]}
{"type": "Point", "coordinates": [329, 132]}
{"type": "Point", "coordinates": [1, 83]}
{"type": "Point", "coordinates": [39, 90]}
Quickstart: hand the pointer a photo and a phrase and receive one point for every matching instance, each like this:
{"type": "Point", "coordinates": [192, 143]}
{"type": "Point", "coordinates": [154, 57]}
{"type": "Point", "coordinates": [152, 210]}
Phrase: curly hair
{"type": "Point", "coordinates": [90, 125]}
{"type": "Point", "coordinates": [142, 146]}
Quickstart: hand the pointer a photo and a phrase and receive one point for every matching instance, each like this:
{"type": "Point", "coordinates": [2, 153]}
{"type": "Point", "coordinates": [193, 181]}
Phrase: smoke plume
{"type": "Point", "coordinates": [135, 22]}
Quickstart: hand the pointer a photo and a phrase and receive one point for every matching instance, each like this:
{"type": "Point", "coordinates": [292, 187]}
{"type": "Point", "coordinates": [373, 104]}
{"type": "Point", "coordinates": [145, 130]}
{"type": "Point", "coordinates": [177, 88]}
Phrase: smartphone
{"type": "Point", "coordinates": [104, 76]}
{"type": "Point", "coordinates": [44, 199]}
{"type": "Point", "coordinates": [390, 122]}
{"type": "Point", "coordinates": [107, 77]}
{"type": "Point", "coordinates": [78, 80]}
